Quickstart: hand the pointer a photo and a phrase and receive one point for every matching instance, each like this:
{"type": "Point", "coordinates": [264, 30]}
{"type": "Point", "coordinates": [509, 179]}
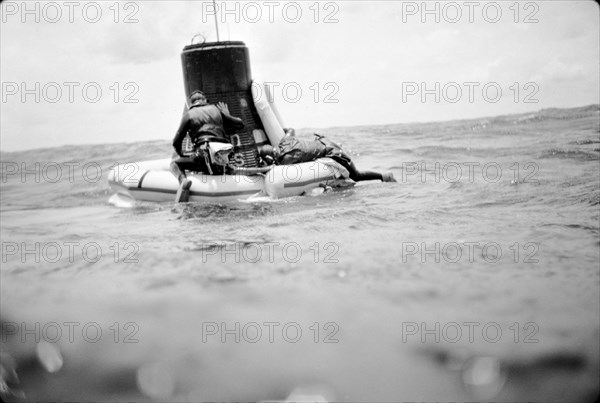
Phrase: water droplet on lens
{"type": "Point", "coordinates": [155, 380]}
{"type": "Point", "coordinates": [49, 356]}
{"type": "Point", "coordinates": [483, 377]}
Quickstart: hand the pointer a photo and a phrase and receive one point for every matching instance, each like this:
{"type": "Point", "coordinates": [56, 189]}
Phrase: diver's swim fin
{"type": "Point", "coordinates": [388, 177]}
{"type": "Point", "coordinates": [183, 194]}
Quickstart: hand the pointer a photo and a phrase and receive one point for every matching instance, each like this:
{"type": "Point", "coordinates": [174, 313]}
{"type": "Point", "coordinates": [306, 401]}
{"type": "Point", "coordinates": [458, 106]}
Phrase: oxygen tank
{"type": "Point", "coordinates": [222, 71]}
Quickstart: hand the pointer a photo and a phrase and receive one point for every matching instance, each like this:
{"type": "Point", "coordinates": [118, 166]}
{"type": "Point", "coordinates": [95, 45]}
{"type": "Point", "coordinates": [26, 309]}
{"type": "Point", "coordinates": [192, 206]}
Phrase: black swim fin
{"type": "Point", "coordinates": [183, 194]}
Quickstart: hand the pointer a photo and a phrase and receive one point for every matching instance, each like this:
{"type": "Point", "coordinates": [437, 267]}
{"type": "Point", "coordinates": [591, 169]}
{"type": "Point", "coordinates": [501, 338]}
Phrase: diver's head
{"type": "Point", "coordinates": [268, 154]}
{"type": "Point", "coordinates": [198, 99]}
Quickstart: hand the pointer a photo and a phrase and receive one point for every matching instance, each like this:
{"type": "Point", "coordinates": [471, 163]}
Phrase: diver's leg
{"type": "Point", "coordinates": [178, 167]}
{"type": "Point", "coordinates": [358, 176]}
{"type": "Point", "coordinates": [344, 160]}
{"type": "Point", "coordinates": [177, 171]}
{"type": "Point", "coordinates": [181, 164]}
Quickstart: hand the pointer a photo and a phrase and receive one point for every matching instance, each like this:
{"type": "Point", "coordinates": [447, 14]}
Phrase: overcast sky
{"type": "Point", "coordinates": [370, 57]}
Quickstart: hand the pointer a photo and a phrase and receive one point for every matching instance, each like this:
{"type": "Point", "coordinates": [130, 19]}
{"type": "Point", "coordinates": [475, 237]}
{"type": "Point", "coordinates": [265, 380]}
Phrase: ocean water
{"type": "Point", "coordinates": [475, 277]}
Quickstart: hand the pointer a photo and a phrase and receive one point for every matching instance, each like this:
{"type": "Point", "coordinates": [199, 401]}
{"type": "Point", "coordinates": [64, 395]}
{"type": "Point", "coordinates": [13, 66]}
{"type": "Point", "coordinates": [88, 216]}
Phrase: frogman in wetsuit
{"type": "Point", "coordinates": [292, 150]}
{"type": "Point", "coordinates": [204, 123]}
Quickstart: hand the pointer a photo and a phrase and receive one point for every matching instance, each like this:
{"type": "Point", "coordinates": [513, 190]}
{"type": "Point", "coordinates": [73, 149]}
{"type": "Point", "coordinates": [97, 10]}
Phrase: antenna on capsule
{"type": "Point", "coordinates": [216, 20]}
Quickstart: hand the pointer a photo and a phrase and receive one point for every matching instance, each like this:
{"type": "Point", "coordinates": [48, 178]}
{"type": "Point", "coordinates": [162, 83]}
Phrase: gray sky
{"type": "Point", "coordinates": [370, 57]}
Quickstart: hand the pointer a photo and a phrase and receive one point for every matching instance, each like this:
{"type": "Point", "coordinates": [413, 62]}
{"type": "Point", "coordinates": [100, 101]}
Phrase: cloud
{"type": "Point", "coordinates": [556, 70]}
{"type": "Point", "coordinates": [368, 53]}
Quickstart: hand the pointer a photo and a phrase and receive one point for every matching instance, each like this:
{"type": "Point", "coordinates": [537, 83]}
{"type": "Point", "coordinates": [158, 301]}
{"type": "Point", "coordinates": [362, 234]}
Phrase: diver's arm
{"type": "Point", "coordinates": [235, 123]}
